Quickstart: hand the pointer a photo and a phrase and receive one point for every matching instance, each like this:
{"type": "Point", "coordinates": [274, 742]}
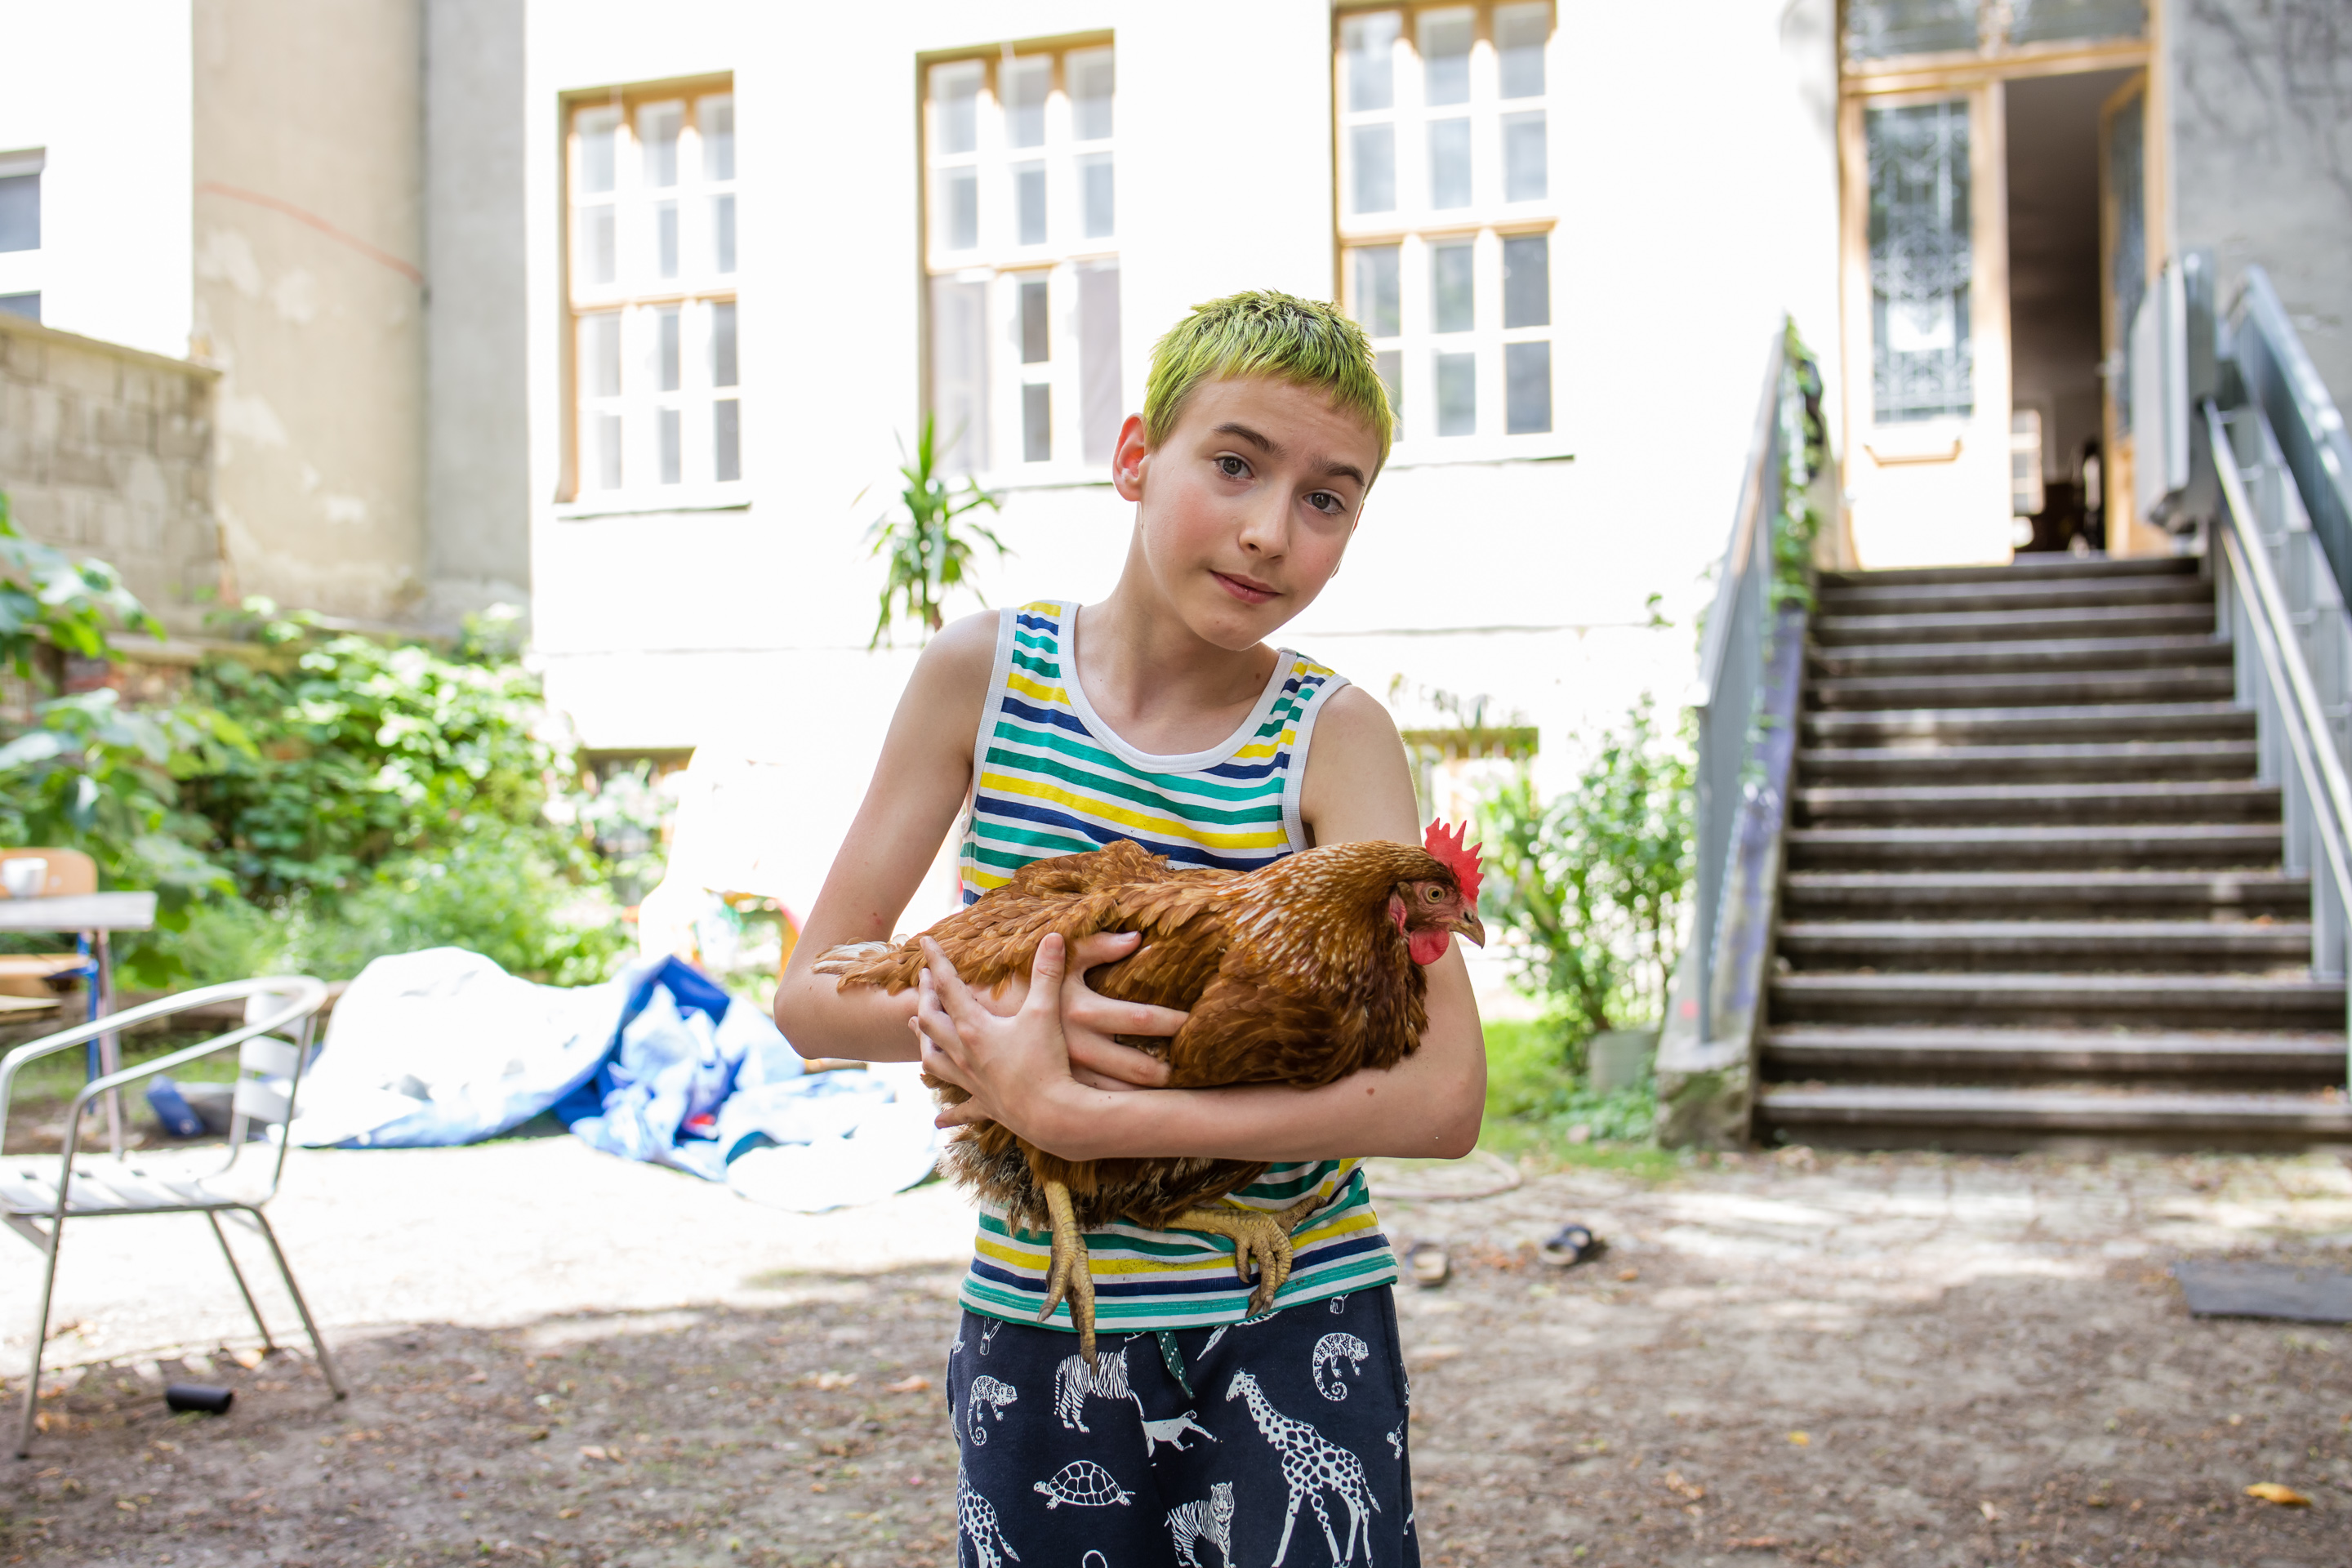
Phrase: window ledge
{"type": "Point", "coordinates": [1045, 478]}
{"type": "Point", "coordinates": [640, 503]}
{"type": "Point", "coordinates": [1448, 451]}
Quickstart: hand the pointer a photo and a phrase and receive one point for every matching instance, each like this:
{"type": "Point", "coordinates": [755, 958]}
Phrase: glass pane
{"type": "Point", "coordinates": [955, 92]}
{"type": "Point", "coordinates": [599, 244]}
{"type": "Point", "coordinates": [1036, 424]}
{"type": "Point", "coordinates": [1025, 85]}
{"type": "Point", "coordinates": [1099, 409]}
{"type": "Point", "coordinates": [669, 435]}
{"type": "Point", "coordinates": [1526, 387]}
{"type": "Point", "coordinates": [724, 372]}
{"type": "Point", "coordinates": [2047, 21]}
{"type": "Point", "coordinates": [959, 373]}
{"type": "Point", "coordinates": [665, 239]}
{"type": "Point", "coordinates": [1097, 192]}
{"type": "Point", "coordinates": [1449, 163]}
{"type": "Point", "coordinates": [1391, 365]}
{"type": "Point", "coordinates": [722, 233]}
{"type": "Point", "coordinates": [606, 431]}
{"type": "Point", "coordinates": [1457, 394]}
{"type": "Point", "coordinates": [963, 209]}
{"type": "Point", "coordinates": [2128, 274]}
{"type": "Point", "coordinates": [1036, 346]}
{"type": "Point", "coordinates": [1520, 31]}
{"type": "Point", "coordinates": [1029, 201]}
{"type": "Point", "coordinates": [1377, 295]}
{"type": "Point", "coordinates": [1445, 57]}
{"type": "Point", "coordinates": [1450, 294]}
{"type": "Point", "coordinates": [20, 213]}
{"type": "Point", "coordinates": [727, 440]}
{"type": "Point", "coordinates": [1920, 261]}
{"type": "Point", "coordinates": [718, 115]}
{"type": "Point", "coordinates": [25, 305]}
{"type": "Point", "coordinates": [1091, 81]}
{"type": "Point", "coordinates": [1373, 147]}
{"type": "Point", "coordinates": [1527, 175]}
{"type": "Point", "coordinates": [1369, 46]}
{"type": "Point", "coordinates": [665, 355]}
{"type": "Point", "coordinates": [600, 354]}
{"type": "Point", "coordinates": [596, 135]}
{"type": "Point", "coordinates": [1527, 280]}
{"type": "Point", "coordinates": [1875, 29]}
{"type": "Point", "coordinates": [657, 129]}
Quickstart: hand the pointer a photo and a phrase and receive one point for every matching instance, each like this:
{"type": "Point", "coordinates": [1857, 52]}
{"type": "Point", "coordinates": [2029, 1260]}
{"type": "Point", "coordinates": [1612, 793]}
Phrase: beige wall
{"type": "Point", "coordinates": [308, 151]}
{"type": "Point", "coordinates": [105, 451]}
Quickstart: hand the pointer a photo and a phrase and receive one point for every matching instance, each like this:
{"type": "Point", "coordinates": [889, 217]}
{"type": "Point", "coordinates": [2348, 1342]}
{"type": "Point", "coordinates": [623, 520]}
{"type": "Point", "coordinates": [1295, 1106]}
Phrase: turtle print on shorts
{"type": "Point", "coordinates": [1274, 1441]}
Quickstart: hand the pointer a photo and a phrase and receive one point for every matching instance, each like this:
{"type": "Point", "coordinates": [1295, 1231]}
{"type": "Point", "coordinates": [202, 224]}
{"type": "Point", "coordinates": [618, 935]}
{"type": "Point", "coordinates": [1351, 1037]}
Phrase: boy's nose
{"type": "Point", "coordinates": [1265, 531]}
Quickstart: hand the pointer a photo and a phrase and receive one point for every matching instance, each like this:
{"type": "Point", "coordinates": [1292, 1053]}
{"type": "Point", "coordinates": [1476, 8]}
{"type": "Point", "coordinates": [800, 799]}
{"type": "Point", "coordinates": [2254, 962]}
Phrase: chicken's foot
{"type": "Point", "coordinates": [1071, 1273]}
{"type": "Point", "coordinates": [1258, 1236]}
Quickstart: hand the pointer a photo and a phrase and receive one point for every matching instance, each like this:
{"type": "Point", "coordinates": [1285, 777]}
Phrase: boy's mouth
{"type": "Point", "coordinates": [1248, 590]}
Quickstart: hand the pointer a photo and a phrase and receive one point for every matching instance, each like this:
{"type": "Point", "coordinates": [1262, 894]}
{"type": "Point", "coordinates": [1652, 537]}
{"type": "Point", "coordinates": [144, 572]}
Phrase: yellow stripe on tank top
{"type": "Point", "coordinates": [1273, 837]}
{"type": "Point", "coordinates": [1038, 1259]}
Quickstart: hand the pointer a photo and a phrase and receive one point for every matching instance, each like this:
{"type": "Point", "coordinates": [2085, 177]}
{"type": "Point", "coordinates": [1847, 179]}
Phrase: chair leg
{"type": "Point", "coordinates": [242, 1287]}
{"type": "Point", "coordinates": [286, 1272]}
{"type": "Point", "coordinates": [40, 1338]}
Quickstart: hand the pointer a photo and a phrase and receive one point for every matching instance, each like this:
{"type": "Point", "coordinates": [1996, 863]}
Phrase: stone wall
{"type": "Point", "coordinates": [2262, 143]}
{"type": "Point", "coordinates": [108, 451]}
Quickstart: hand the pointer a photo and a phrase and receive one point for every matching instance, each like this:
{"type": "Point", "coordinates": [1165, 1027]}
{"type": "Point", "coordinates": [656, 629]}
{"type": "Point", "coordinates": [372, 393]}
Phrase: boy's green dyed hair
{"type": "Point", "coordinates": [1263, 332]}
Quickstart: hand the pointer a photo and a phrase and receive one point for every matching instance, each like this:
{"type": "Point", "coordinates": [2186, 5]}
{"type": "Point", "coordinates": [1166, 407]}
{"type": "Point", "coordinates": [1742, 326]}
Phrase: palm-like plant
{"type": "Point", "coordinates": [928, 548]}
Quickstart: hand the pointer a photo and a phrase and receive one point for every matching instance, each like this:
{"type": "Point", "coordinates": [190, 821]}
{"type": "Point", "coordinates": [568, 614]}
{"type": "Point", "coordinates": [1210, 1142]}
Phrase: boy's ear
{"type": "Point", "coordinates": [1129, 458]}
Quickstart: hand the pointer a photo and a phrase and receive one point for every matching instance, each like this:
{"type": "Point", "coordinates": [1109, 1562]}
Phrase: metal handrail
{"type": "Point", "coordinates": [1731, 667]}
{"type": "Point", "coordinates": [2282, 382]}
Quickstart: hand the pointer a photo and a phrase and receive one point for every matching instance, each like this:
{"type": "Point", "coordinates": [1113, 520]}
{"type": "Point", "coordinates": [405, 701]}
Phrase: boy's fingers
{"type": "Point", "coordinates": [1132, 1067]}
{"type": "Point", "coordinates": [1046, 976]}
{"type": "Point", "coordinates": [1102, 947]}
{"type": "Point", "coordinates": [954, 996]}
{"type": "Point", "coordinates": [1101, 1013]}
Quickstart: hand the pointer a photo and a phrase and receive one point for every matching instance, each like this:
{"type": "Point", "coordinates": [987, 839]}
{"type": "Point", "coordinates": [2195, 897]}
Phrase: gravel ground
{"type": "Point", "coordinates": [560, 1358]}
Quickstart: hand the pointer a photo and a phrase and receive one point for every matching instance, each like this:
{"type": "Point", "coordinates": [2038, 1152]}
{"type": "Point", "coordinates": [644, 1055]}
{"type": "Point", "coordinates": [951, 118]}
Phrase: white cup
{"type": "Point", "coordinates": [25, 877]}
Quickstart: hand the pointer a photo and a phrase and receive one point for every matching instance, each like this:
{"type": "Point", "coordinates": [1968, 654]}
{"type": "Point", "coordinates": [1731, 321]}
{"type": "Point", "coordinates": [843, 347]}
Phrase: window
{"type": "Point", "coordinates": [20, 200]}
{"type": "Point", "coordinates": [25, 305]}
{"type": "Point", "coordinates": [1446, 217]}
{"type": "Point", "coordinates": [655, 370]}
{"type": "Point", "coordinates": [1021, 250]}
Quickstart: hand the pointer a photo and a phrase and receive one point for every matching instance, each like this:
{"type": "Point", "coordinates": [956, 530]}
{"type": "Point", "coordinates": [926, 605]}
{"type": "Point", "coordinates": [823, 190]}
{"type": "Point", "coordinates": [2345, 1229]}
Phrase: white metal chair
{"type": "Point", "coordinates": [74, 1185]}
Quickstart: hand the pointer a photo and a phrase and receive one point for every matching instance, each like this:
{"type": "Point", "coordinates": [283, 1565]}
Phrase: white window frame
{"type": "Point", "coordinates": [1416, 228]}
{"type": "Point", "coordinates": [639, 296]}
{"type": "Point", "coordinates": [999, 263]}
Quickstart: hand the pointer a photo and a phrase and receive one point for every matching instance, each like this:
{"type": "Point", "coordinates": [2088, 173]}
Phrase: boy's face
{"type": "Point", "coordinates": [1245, 508]}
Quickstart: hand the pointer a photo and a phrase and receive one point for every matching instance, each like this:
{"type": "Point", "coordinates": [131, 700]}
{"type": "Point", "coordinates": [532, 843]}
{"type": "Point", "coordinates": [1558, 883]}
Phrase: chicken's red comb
{"type": "Point", "coordinates": [1451, 853]}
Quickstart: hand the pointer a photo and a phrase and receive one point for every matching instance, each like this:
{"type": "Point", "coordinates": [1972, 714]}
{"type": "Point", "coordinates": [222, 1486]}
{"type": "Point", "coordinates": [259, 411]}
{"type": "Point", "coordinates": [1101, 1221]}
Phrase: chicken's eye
{"type": "Point", "coordinates": [1430, 893]}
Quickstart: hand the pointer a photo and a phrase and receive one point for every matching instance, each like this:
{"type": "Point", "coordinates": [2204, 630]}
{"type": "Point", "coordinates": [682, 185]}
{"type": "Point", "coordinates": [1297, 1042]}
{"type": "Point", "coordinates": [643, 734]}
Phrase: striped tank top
{"type": "Point", "coordinates": [1050, 778]}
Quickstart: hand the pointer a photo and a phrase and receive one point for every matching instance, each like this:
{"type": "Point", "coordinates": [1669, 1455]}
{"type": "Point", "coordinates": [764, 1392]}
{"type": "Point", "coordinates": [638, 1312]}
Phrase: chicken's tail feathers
{"type": "Point", "coordinates": [862, 963]}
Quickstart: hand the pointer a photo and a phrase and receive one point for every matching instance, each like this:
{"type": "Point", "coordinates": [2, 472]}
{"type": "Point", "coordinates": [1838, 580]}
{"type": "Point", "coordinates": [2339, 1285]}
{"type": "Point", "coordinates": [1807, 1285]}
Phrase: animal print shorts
{"type": "Point", "coordinates": [1275, 1439]}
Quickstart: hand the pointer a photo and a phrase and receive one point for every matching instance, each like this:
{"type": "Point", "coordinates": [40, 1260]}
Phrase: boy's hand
{"type": "Point", "coordinates": [1011, 1049]}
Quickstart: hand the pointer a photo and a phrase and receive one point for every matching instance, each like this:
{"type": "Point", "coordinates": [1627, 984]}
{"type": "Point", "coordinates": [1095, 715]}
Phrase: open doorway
{"type": "Point", "coordinates": [2055, 388]}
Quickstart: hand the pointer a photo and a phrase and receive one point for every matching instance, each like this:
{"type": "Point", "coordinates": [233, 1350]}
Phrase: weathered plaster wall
{"type": "Point", "coordinates": [106, 451]}
{"type": "Point", "coordinates": [478, 434]}
{"type": "Point", "coordinates": [2261, 134]}
{"type": "Point", "coordinates": [309, 152]}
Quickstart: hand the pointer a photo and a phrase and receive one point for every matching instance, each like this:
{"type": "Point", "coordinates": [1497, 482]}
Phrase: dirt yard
{"type": "Point", "coordinates": [1838, 1360]}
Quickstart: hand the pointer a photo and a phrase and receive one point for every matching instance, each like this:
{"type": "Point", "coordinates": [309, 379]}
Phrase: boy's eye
{"type": "Point", "coordinates": [1233, 467]}
{"type": "Point", "coordinates": [1325, 502]}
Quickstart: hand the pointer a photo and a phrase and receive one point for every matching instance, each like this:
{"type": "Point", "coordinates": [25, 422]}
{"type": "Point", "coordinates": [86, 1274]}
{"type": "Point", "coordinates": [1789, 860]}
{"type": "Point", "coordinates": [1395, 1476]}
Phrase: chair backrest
{"type": "Point", "coordinates": [270, 1070]}
{"type": "Point", "coordinates": [63, 873]}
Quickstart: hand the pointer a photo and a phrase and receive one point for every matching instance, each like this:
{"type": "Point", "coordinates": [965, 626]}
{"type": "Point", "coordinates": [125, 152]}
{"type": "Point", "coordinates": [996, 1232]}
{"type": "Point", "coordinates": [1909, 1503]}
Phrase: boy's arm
{"type": "Point", "coordinates": [1357, 786]}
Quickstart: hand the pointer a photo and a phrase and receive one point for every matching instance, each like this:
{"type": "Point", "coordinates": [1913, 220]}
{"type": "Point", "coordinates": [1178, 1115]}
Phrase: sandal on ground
{"type": "Point", "coordinates": [1431, 1267]}
{"type": "Point", "coordinates": [1575, 1244]}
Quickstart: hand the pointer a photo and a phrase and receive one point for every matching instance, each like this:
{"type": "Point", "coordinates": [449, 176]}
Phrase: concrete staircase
{"type": "Point", "coordinates": [2033, 892]}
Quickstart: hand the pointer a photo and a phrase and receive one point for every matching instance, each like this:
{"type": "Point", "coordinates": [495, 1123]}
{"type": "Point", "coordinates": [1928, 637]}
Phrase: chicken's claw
{"type": "Point", "coordinates": [1071, 1273]}
{"type": "Point", "coordinates": [1259, 1238]}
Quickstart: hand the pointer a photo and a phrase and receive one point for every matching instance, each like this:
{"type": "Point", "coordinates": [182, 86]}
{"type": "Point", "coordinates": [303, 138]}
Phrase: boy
{"type": "Point", "coordinates": [1160, 714]}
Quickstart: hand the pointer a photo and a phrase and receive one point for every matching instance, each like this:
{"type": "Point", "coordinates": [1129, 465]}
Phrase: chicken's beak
{"type": "Point", "coordinates": [1471, 929]}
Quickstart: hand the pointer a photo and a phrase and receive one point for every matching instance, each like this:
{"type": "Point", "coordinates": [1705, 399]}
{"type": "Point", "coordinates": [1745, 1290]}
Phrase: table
{"type": "Point", "coordinates": [94, 916]}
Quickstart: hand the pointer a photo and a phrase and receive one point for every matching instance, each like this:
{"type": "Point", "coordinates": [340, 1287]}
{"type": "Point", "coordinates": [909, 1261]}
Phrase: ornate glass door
{"type": "Point", "coordinates": [1927, 329]}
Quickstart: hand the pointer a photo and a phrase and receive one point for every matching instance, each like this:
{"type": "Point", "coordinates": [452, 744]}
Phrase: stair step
{"type": "Point", "coordinates": [2023, 689]}
{"type": "Point", "coordinates": [1828, 1050]}
{"type": "Point", "coordinates": [2169, 800]}
{"type": "Point", "coordinates": [2044, 568]}
{"type": "Point", "coordinates": [2019, 726]}
{"type": "Point", "coordinates": [2252, 845]}
{"type": "Point", "coordinates": [2049, 895]}
{"type": "Point", "coordinates": [2076, 1000]}
{"type": "Point", "coordinates": [2038, 945]}
{"type": "Point", "coordinates": [1993, 657]}
{"type": "Point", "coordinates": [2036, 626]}
{"type": "Point", "coordinates": [2025, 593]}
{"type": "Point", "coordinates": [2002, 1119]}
{"type": "Point", "coordinates": [2093, 763]}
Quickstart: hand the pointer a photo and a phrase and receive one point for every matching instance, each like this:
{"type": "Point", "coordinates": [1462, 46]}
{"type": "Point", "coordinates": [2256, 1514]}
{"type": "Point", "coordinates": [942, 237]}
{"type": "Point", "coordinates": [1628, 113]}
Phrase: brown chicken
{"type": "Point", "coordinates": [1299, 973]}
